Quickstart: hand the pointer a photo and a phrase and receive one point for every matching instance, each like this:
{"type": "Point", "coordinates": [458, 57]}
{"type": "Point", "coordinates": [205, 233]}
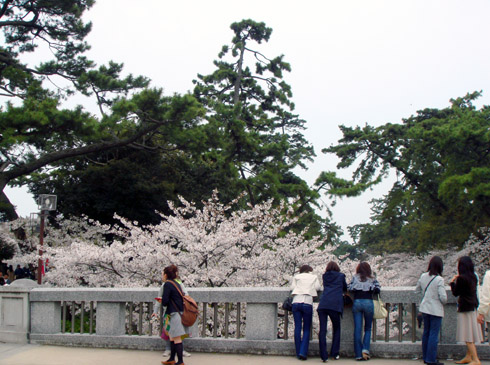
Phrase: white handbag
{"type": "Point", "coordinates": [380, 311]}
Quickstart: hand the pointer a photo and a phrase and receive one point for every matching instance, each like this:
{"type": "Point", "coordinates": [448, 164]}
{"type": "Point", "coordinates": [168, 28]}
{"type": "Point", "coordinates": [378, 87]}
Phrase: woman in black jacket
{"type": "Point", "coordinates": [464, 286]}
{"type": "Point", "coordinates": [172, 299]}
{"type": "Point", "coordinates": [331, 305]}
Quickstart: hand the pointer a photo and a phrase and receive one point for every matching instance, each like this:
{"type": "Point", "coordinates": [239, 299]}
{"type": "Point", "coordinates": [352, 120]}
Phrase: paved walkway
{"type": "Point", "coordinates": [11, 354]}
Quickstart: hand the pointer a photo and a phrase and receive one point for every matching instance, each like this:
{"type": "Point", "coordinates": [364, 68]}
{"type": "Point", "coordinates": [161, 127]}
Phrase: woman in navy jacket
{"type": "Point", "coordinates": [331, 305]}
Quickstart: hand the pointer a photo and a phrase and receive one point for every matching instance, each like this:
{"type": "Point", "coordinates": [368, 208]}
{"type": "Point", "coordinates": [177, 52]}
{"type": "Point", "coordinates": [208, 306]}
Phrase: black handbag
{"type": "Point", "coordinates": [348, 300]}
{"type": "Point", "coordinates": [287, 305]}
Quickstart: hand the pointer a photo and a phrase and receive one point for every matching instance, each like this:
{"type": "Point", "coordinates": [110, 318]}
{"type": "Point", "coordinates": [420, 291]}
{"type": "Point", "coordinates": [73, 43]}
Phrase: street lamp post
{"type": "Point", "coordinates": [46, 203]}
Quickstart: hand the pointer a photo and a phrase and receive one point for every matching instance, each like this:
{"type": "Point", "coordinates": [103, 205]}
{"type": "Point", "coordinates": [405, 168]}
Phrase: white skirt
{"type": "Point", "coordinates": [468, 329]}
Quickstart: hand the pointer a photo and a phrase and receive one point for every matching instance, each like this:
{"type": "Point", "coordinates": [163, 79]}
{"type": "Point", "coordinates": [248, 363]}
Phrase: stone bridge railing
{"type": "Point", "coordinates": [237, 320]}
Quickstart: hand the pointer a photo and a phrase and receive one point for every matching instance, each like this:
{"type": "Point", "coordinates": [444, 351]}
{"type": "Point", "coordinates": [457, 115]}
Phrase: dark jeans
{"type": "Point", "coordinates": [303, 316]}
{"type": "Point", "coordinates": [362, 308]}
{"type": "Point", "coordinates": [323, 315]}
{"type": "Point", "coordinates": [430, 337]}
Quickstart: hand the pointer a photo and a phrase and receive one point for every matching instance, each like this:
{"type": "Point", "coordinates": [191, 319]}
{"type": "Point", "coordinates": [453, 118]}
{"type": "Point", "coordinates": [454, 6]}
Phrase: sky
{"type": "Point", "coordinates": [354, 62]}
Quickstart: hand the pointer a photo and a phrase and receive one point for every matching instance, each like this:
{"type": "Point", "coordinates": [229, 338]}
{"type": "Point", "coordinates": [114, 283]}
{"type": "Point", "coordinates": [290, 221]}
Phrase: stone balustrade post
{"type": "Point", "coordinates": [448, 326]}
{"type": "Point", "coordinates": [261, 321]}
{"type": "Point", "coordinates": [347, 326]}
{"type": "Point", "coordinates": [46, 317]}
{"type": "Point", "coordinates": [14, 311]}
{"type": "Point", "coordinates": [111, 319]}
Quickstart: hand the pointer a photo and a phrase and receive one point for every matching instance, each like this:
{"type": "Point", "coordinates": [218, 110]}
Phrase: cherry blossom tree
{"type": "Point", "coordinates": [215, 245]}
{"type": "Point", "coordinates": [408, 267]}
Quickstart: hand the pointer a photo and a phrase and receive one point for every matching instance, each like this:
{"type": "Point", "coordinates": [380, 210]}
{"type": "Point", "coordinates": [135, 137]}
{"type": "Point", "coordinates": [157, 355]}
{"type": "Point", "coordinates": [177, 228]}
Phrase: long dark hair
{"type": "Point", "coordinates": [435, 266]}
{"type": "Point", "coordinates": [364, 271]}
{"type": "Point", "coordinates": [466, 268]}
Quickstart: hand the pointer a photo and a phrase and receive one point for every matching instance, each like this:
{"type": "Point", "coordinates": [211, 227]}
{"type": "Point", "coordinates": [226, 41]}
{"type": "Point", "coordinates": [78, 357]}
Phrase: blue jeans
{"type": "Point", "coordinates": [362, 308]}
{"type": "Point", "coordinates": [430, 337]}
{"type": "Point", "coordinates": [323, 315]}
{"type": "Point", "coordinates": [303, 316]}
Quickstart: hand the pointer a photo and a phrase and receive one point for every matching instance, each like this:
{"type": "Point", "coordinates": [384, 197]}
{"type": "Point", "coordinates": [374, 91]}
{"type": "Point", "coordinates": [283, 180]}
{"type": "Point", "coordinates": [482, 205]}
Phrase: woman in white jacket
{"type": "Point", "coordinates": [304, 288]}
{"type": "Point", "coordinates": [434, 296]}
{"type": "Point", "coordinates": [484, 307]}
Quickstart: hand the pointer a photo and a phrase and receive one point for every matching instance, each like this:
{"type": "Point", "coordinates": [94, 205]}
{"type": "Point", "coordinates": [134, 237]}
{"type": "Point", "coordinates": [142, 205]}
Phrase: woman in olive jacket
{"type": "Point", "coordinates": [331, 305]}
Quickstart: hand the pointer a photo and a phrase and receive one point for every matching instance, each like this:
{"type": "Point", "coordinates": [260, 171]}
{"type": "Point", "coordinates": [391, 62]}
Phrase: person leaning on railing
{"type": "Point", "coordinates": [331, 305]}
{"type": "Point", "coordinates": [304, 287]}
{"type": "Point", "coordinates": [363, 286]}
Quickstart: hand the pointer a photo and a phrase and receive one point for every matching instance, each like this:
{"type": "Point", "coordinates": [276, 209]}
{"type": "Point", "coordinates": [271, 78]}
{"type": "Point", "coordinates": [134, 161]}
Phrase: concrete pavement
{"type": "Point", "coordinates": [12, 354]}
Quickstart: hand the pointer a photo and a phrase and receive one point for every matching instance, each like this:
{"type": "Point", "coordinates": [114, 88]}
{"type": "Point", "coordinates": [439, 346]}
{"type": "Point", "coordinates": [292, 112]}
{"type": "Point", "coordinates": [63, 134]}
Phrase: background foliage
{"type": "Point", "coordinates": [236, 132]}
{"type": "Point", "coordinates": [441, 159]}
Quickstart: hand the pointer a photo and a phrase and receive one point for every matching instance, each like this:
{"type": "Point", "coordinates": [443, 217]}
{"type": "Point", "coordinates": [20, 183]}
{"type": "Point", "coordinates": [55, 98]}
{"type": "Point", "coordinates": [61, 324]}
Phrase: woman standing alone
{"type": "Point", "coordinates": [172, 299]}
{"type": "Point", "coordinates": [431, 285]}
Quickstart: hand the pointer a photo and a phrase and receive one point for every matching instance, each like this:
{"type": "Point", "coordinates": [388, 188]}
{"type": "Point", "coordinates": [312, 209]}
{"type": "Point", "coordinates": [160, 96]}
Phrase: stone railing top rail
{"type": "Point", "coordinates": [209, 295]}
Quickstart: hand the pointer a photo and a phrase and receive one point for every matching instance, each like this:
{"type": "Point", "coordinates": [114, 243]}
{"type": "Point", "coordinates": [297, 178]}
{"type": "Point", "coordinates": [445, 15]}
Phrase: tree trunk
{"type": "Point", "coordinates": [7, 209]}
{"type": "Point", "coordinates": [236, 100]}
{"type": "Point", "coordinates": [6, 206]}
{"type": "Point", "coordinates": [238, 80]}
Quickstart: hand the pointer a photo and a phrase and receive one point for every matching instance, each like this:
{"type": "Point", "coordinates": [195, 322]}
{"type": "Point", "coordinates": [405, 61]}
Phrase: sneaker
{"type": "Point", "coordinates": [186, 354]}
{"type": "Point", "coordinates": [166, 353]}
{"type": "Point", "coordinates": [337, 357]}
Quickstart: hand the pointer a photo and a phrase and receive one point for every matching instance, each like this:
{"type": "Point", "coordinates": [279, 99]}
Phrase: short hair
{"type": "Point", "coordinates": [435, 266]}
{"type": "Point", "coordinates": [171, 272]}
{"type": "Point", "coordinates": [364, 270]}
{"type": "Point", "coordinates": [332, 266]}
{"type": "Point", "coordinates": [305, 268]}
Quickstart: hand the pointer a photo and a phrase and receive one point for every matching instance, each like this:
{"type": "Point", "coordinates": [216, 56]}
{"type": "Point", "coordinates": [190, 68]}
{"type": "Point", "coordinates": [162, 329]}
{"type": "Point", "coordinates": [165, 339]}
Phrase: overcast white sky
{"type": "Point", "coordinates": [353, 61]}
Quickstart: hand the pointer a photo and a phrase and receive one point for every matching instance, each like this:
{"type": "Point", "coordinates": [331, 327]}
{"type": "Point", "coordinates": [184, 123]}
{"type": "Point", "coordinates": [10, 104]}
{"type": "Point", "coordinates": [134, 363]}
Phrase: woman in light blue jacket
{"type": "Point", "coordinates": [431, 286]}
{"type": "Point", "coordinates": [363, 286]}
